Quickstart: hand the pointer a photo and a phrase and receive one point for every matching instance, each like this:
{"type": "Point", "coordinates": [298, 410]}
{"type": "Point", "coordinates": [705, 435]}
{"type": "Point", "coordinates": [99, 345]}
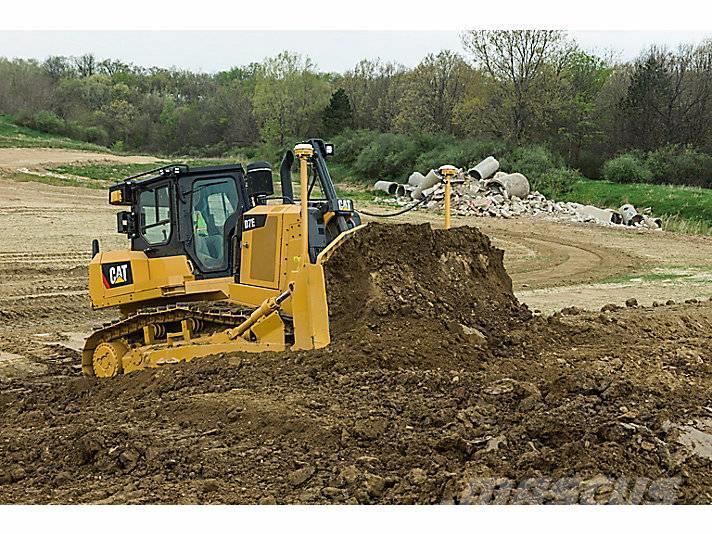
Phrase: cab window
{"type": "Point", "coordinates": [155, 215]}
{"type": "Point", "coordinates": [212, 204]}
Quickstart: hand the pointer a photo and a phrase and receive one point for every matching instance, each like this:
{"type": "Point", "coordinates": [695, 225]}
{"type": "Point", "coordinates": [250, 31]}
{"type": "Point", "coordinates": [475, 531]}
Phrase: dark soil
{"type": "Point", "coordinates": [437, 381]}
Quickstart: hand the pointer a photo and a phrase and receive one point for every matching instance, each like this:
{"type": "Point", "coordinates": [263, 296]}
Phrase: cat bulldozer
{"type": "Point", "coordinates": [217, 263]}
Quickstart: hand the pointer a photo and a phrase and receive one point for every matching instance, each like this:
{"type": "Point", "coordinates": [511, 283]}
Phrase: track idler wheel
{"type": "Point", "coordinates": [107, 359]}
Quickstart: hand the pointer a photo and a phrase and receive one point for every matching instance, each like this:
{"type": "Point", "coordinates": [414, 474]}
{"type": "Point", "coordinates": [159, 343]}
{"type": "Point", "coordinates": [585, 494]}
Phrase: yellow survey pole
{"type": "Point", "coordinates": [304, 151]}
{"type": "Point", "coordinates": [447, 172]}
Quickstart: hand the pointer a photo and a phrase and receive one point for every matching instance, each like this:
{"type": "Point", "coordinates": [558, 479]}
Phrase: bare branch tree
{"type": "Point", "coordinates": [518, 60]}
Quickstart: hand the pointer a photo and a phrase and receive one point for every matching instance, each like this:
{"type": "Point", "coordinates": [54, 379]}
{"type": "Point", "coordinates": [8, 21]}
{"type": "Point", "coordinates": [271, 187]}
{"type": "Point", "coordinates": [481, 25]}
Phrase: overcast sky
{"type": "Point", "coordinates": [211, 51]}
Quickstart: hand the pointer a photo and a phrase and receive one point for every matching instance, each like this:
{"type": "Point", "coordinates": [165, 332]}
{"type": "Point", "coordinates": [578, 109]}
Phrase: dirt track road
{"type": "Point", "coordinates": [15, 158]}
{"type": "Point", "coordinates": [47, 231]}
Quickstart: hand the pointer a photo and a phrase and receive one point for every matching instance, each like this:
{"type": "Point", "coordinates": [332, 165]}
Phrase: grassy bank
{"type": "Point", "coordinates": [685, 209]}
{"type": "Point", "coordinates": [14, 136]}
{"type": "Point", "coordinates": [114, 172]}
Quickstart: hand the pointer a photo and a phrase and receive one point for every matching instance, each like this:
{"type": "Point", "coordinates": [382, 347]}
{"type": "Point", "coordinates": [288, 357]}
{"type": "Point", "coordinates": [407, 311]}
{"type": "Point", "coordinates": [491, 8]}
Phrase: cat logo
{"type": "Point", "coordinates": [345, 204]}
{"type": "Point", "coordinates": [116, 274]}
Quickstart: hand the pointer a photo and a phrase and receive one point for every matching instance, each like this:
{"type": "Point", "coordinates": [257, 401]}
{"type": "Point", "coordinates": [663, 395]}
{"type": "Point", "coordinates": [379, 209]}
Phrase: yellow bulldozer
{"type": "Point", "coordinates": [217, 263]}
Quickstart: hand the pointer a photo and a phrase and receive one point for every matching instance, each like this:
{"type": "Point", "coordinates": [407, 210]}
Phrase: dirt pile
{"type": "Point", "coordinates": [392, 284]}
{"type": "Point", "coordinates": [409, 404]}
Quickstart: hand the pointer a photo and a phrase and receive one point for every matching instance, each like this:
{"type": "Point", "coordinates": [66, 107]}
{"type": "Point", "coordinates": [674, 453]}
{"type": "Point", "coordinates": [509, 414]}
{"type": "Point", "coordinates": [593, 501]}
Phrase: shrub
{"type": "Point", "coordinates": [590, 163]}
{"type": "Point", "coordinates": [374, 155]}
{"type": "Point", "coordinates": [388, 156]}
{"type": "Point", "coordinates": [463, 153]}
{"type": "Point", "coordinates": [96, 134]}
{"type": "Point", "coordinates": [351, 143]}
{"type": "Point", "coordinates": [532, 161]}
{"type": "Point", "coordinates": [45, 121]}
{"type": "Point", "coordinates": [556, 182]}
{"type": "Point", "coordinates": [92, 134]}
{"type": "Point", "coordinates": [680, 166]}
{"type": "Point", "coordinates": [628, 168]}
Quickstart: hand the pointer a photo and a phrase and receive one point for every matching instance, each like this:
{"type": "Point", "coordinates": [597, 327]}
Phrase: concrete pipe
{"type": "Point", "coordinates": [431, 179]}
{"type": "Point", "coordinates": [593, 213]}
{"type": "Point", "coordinates": [652, 222]}
{"type": "Point", "coordinates": [616, 218]}
{"type": "Point", "coordinates": [513, 185]}
{"type": "Point", "coordinates": [484, 169]}
{"type": "Point", "coordinates": [628, 211]}
{"type": "Point", "coordinates": [401, 191]}
{"type": "Point", "coordinates": [429, 191]}
{"type": "Point", "coordinates": [386, 187]}
{"type": "Point", "coordinates": [416, 179]}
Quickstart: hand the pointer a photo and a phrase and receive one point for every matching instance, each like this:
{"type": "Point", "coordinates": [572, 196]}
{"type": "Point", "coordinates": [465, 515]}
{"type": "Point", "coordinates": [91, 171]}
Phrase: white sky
{"type": "Point", "coordinates": [211, 51]}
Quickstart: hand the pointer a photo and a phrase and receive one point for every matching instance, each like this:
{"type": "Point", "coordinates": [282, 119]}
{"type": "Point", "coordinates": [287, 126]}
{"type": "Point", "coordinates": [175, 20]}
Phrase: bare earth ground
{"type": "Point", "coordinates": [594, 395]}
{"type": "Point", "coordinates": [14, 158]}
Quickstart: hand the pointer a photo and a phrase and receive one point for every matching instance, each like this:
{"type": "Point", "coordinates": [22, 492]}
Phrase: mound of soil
{"type": "Point", "coordinates": [392, 284]}
{"type": "Point", "coordinates": [438, 387]}
{"type": "Point", "coordinates": [401, 272]}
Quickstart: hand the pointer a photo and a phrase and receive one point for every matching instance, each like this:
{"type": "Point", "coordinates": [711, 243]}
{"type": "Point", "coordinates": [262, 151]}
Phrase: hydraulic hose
{"type": "Point", "coordinates": [401, 212]}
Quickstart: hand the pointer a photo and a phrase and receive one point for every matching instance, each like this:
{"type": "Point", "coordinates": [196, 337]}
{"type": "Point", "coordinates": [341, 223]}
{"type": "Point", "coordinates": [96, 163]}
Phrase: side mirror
{"type": "Point", "coordinates": [125, 223]}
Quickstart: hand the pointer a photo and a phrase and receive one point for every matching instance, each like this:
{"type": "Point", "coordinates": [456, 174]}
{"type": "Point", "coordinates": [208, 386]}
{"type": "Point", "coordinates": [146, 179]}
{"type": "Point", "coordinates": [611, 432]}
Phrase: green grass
{"type": "Point", "coordinates": [51, 180]}
{"type": "Point", "coordinates": [359, 194]}
{"type": "Point", "coordinates": [113, 172]}
{"type": "Point", "coordinates": [683, 209]}
{"type": "Point", "coordinates": [14, 136]}
{"type": "Point", "coordinates": [696, 273]}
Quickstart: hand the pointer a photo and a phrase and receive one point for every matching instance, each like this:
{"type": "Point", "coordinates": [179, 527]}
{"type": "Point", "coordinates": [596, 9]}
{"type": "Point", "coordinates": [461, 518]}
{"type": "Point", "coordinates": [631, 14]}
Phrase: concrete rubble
{"type": "Point", "coordinates": [484, 191]}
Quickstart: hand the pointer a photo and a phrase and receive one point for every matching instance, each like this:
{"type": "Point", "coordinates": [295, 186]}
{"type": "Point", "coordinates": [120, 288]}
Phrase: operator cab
{"type": "Point", "coordinates": [185, 211]}
{"type": "Point", "coordinates": [200, 213]}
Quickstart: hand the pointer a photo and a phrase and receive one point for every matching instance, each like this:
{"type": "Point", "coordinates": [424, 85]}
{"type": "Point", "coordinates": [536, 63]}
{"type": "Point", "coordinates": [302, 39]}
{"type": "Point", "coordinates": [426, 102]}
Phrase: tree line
{"type": "Point", "coordinates": [516, 87]}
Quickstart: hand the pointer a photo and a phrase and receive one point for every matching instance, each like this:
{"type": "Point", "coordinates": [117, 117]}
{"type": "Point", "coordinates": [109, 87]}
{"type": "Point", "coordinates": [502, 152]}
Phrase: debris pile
{"type": "Point", "coordinates": [483, 191]}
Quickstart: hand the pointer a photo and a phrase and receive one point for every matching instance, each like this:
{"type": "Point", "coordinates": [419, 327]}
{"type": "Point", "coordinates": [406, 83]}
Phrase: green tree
{"type": "Point", "coordinates": [374, 90]}
{"type": "Point", "coordinates": [289, 98]}
{"type": "Point", "coordinates": [337, 115]}
{"type": "Point", "coordinates": [669, 98]}
{"type": "Point", "coordinates": [433, 90]}
{"type": "Point", "coordinates": [580, 82]}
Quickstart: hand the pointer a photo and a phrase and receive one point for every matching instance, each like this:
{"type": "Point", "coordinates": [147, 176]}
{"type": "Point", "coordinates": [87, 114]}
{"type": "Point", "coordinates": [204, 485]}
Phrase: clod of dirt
{"type": "Point", "coordinates": [610, 307]}
{"type": "Point", "coordinates": [300, 476]}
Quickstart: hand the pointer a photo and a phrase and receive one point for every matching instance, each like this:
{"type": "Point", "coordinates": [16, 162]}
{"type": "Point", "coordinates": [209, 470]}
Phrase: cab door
{"type": "Point", "coordinates": [214, 210]}
{"type": "Point", "coordinates": [155, 229]}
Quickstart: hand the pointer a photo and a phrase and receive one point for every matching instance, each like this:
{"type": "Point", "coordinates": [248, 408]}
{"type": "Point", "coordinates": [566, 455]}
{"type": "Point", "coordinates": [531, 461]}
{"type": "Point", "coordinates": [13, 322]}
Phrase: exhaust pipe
{"type": "Point", "coordinates": [285, 177]}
